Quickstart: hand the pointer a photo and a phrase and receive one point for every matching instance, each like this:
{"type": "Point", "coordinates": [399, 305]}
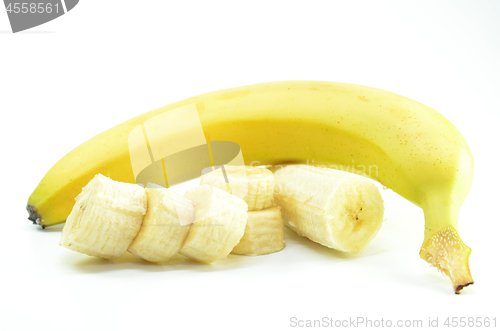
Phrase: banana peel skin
{"type": "Point", "coordinates": [403, 144]}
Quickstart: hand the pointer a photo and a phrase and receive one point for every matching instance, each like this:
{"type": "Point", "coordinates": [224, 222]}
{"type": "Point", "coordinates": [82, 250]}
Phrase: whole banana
{"type": "Point", "coordinates": [399, 142]}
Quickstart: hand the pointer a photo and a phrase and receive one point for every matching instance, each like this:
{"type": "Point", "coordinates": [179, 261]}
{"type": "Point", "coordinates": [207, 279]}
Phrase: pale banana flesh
{"type": "Point", "coordinates": [165, 225]}
{"type": "Point", "coordinates": [335, 208]}
{"type": "Point", "coordinates": [155, 224]}
{"type": "Point", "coordinates": [263, 233]}
{"type": "Point", "coordinates": [401, 143]}
{"type": "Point", "coordinates": [219, 223]}
{"type": "Point", "coordinates": [258, 184]}
{"type": "Point", "coordinates": [105, 219]}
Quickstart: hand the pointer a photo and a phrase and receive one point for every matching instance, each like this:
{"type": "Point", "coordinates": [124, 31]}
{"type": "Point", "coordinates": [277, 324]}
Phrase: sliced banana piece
{"type": "Point", "coordinates": [219, 223]}
{"type": "Point", "coordinates": [252, 184]}
{"type": "Point", "coordinates": [165, 225]}
{"type": "Point", "coordinates": [105, 219]}
{"type": "Point", "coordinates": [337, 209]}
{"type": "Point", "coordinates": [263, 233]}
{"type": "Point", "coordinates": [264, 230]}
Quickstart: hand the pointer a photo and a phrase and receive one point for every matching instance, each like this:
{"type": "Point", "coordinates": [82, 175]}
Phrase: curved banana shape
{"type": "Point", "coordinates": [399, 142]}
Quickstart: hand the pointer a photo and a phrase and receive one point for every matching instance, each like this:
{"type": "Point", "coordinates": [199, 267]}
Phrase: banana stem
{"type": "Point", "coordinates": [442, 246]}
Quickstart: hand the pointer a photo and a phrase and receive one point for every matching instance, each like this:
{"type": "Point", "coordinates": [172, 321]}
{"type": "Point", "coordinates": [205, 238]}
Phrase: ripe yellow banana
{"type": "Point", "coordinates": [399, 142]}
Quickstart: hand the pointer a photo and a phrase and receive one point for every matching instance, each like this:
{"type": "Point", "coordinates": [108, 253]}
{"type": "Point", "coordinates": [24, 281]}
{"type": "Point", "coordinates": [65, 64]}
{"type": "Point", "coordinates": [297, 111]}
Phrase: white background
{"type": "Point", "coordinates": [107, 61]}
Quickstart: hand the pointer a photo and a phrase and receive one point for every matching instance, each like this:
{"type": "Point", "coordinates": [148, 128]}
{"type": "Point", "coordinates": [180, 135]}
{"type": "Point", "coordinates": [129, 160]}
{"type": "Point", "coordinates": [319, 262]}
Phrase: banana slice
{"type": "Point", "coordinates": [105, 219]}
{"type": "Point", "coordinates": [252, 184]}
{"type": "Point", "coordinates": [334, 208]}
{"type": "Point", "coordinates": [219, 223]}
{"type": "Point", "coordinates": [263, 233]}
{"type": "Point", "coordinates": [264, 230]}
{"type": "Point", "coordinates": [165, 226]}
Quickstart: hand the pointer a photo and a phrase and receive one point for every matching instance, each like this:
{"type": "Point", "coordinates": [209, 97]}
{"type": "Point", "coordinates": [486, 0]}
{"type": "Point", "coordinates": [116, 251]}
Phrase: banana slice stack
{"type": "Point", "coordinates": [162, 232]}
{"type": "Point", "coordinates": [236, 209]}
{"type": "Point", "coordinates": [264, 230]}
{"type": "Point", "coordinates": [219, 223]}
{"type": "Point", "coordinates": [154, 223]}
